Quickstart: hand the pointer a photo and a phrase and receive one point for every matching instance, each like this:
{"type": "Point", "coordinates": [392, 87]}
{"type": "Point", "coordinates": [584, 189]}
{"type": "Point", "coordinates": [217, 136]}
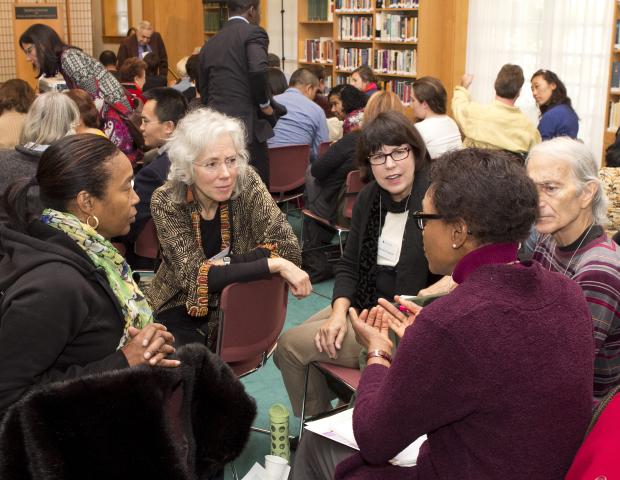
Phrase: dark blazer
{"type": "Point", "coordinates": [129, 48]}
{"type": "Point", "coordinates": [148, 179]}
{"type": "Point", "coordinates": [233, 75]}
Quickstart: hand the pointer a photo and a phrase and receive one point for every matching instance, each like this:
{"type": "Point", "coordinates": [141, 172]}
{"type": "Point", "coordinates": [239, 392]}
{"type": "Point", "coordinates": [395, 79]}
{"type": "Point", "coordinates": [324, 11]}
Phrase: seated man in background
{"type": "Point", "coordinates": [109, 60]}
{"type": "Point", "coordinates": [570, 239]}
{"type": "Point", "coordinates": [439, 131]}
{"type": "Point", "coordinates": [162, 111]}
{"type": "Point", "coordinates": [499, 124]}
{"type": "Point", "coordinates": [305, 122]}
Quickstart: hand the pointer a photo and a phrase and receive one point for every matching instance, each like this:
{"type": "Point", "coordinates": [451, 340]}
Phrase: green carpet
{"type": "Point", "coordinates": [266, 385]}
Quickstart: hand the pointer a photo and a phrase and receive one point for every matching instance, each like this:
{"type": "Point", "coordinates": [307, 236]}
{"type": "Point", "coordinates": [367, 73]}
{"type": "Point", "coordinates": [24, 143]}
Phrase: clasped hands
{"type": "Point", "coordinates": [151, 346]}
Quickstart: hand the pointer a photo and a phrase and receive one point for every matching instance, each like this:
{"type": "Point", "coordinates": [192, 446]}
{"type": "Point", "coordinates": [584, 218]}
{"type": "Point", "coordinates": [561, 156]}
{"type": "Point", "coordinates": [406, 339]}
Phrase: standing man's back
{"type": "Point", "coordinates": [233, 77]}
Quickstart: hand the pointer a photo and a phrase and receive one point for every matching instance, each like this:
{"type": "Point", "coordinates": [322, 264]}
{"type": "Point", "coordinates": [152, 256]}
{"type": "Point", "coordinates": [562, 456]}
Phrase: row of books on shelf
{"type": "Point", "coordinates": [402, 88]}
{"type": "Point", "coordinates": [398, 62]}
{"type": "Point", "coordinates": [355, 28]}
{"type": "Point", "coordinates": [617, 36]}
{"type": "Point", "coordinates": [396, 28]}
{"type": "Point", "coordinates": [364, 5]}
{"type": "Point", "coordinates": [213, 20]}
{"type": "Point", "coordinates": [348, 59]}
{"type": "Point", "coordinates": [319, 50]}
{"type": "Point", "coordinates": [398, 3]}
{"type": "Point", "coordinates": [614, 116]}
{"type": "Point", "coordinates": [321, 10]}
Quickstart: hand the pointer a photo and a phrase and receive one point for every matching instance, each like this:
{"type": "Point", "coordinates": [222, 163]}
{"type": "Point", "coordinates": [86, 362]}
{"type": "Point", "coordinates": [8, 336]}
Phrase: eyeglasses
{"type": "Point", "coordinates": [397, 155]}
{"type": "Point", "coordinates": [423, 218]}
{"type": "Point", "coordinates": [29, 50]}
{"type": "Point", "coordinates": [213, 167]}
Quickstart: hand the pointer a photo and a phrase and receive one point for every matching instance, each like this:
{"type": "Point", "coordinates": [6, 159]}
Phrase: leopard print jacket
{"type": "Point", "coordinates": [180, 279]}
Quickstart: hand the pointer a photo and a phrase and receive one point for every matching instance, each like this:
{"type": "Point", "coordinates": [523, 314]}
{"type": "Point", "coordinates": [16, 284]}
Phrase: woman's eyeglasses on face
{"type": "Point", "coordinates": [214, 166]}
{"type": "Point", "coordinates": [28, 50]}
{"type": "Point", "coordinates": [397, 155]}
{"type": "Point", "coordinates": [423, 218]}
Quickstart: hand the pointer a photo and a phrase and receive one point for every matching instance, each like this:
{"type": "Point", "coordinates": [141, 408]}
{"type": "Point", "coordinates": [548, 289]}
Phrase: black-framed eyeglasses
{"type": "Point", "coordinates": [423, 218]}
{"type": "Point", "coordinates": [397, 155]}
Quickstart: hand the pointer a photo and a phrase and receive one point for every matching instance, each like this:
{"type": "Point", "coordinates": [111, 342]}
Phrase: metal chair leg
{"type": "Point", "coordinates": [234, 471]}
{"type": "Point", "coordinates": [340, 241]}
{"type": "Point", "coordinates": [303, 402]}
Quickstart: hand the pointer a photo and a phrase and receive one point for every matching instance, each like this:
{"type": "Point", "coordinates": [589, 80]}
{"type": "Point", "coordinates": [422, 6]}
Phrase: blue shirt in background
{"type": "Point", "coordinates": [559, 121]}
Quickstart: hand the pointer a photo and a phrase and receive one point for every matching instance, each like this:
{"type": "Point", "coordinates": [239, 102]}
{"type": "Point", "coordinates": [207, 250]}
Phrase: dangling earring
{"type": "Point", "coordinates": [96, 222]}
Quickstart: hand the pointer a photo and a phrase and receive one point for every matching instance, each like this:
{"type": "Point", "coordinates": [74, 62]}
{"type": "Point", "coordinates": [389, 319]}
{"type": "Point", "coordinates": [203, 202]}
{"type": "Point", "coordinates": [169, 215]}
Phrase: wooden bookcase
{"type": "Point", "coordinates": [440, 46]}
{"type": "Point", "coordinates": [613, 94]}
{"type": "Point", "coordinates": [218, 10]}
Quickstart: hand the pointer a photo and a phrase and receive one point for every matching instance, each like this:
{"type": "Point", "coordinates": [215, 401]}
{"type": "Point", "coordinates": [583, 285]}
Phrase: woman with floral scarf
{"type": "Point", "coordinates": [68, 303]}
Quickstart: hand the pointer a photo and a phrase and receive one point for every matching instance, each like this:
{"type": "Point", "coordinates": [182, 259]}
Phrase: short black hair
{"type": "Point", "coordinates": [389, 128]}
{"type": "Point", "coordinates": [277, 81]}
{"type": "Point", "coordinates": [192, 67]}
{"type": "Point", "coordinates": [152, 63]}
{"type": "Point", "coordinates": [241, 6]}
{"type": "Point", "coordinates": [303, 76]}
{"type": "Point", "coordinates": [352, 98]}
{"type": "Point", "coordinates": [171, 104]}
{"type": "Point", "coordinates": [488, 190]}
{"type": "Point", "coordinates": [108, 57]}
{"type": "Point", "coordinates": [273, 60]}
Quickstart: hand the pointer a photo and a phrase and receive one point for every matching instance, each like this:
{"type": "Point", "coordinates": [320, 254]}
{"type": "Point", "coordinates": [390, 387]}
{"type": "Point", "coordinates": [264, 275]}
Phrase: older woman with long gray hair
{"type": "Point", "coordinates": [51, 116]}
{"type": "Point", "coordinates": [570, 239]}
{"type": "Point", "coordinates": [217, 224]}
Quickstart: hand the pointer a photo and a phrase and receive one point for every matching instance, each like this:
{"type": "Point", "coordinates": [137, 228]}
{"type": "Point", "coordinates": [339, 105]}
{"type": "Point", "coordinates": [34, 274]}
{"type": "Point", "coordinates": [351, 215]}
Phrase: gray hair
{"type": "Point", "coordinates": [51, 116]}
{"type": "Point", "coordinates": [195, 134]}
{"type": "Point", "coordinates": [583, 166]}
{"type": "Point", "coordinates": [144, 25]}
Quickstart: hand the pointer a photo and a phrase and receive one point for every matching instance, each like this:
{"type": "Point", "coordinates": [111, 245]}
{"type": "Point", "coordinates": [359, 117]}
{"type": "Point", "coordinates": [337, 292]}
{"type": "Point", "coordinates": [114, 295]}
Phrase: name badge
{"type": "Point", "coordinates": [388, 250]}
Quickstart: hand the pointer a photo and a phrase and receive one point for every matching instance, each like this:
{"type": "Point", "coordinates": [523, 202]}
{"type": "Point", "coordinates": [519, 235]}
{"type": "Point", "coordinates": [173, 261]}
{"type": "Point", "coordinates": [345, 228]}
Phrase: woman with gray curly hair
{"type": "Point", "coordinates": [570, 239]}
{"type": "Point", "coordinates": [217, 224]}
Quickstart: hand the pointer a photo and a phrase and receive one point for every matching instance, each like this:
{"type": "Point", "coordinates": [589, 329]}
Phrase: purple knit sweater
{"type": "Point", "coordinates": [498, 374]}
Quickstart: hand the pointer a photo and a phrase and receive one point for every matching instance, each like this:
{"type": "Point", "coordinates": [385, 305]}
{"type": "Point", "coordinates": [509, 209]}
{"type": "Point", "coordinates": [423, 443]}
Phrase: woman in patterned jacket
{"type": "Point", "coordinates": [50, 56]}
{"type": "Point", "coordinates": [217, 224]}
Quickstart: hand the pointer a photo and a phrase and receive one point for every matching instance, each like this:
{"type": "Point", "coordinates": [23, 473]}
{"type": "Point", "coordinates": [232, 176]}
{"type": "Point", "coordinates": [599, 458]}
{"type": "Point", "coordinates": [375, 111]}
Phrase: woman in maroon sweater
{"type": "Point", "coordinates": [497, 374]}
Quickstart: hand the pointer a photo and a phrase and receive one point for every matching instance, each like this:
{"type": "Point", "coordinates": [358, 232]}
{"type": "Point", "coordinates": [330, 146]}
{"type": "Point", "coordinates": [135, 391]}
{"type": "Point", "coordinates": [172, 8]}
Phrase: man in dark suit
{"type": "Point", "coordinates": [143, 42]}
{"type": "Point", "coordinates": [163, 110]}
{"type": "Point", "coordinates": [234, 81]}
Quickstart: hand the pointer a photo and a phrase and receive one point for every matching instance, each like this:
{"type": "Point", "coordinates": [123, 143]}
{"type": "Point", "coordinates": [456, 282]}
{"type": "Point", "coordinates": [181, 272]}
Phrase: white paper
{"type": "Point", "coordinates": [257, 472]}
{"type": "Point", "coordinates": [339, 428]}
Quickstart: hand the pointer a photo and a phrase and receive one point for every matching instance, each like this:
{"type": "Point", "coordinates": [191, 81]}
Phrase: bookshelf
{"type": "Point", "coordinates": [613, 91]}
{"type": "Point", "coordinates": [399, 39]}
{"type": "Point", "coordinates": [215, 14]}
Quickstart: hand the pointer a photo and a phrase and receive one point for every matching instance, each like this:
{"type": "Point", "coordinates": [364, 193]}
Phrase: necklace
{"type": "Point", "coordinates": [575, 252]}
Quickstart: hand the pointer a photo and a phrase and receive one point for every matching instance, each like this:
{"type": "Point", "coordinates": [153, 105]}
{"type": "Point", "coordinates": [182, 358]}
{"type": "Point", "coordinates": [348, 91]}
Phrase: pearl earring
{"type": "Point", "coordinates": [454, 245]}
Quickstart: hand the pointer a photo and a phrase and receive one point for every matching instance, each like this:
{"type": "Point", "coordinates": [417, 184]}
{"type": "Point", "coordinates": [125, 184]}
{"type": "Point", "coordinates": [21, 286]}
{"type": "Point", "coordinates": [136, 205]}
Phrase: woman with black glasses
{"type": "Point", "coordinates": [383, 256]}
{"type": "Point", "coordinates": [507, 353]}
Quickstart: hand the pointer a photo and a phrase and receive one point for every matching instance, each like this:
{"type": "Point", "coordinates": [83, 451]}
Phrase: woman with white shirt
{"type": "Point", "coordinates": [439, 131]}
{"type": "Point", "coordinates": [383, 256]}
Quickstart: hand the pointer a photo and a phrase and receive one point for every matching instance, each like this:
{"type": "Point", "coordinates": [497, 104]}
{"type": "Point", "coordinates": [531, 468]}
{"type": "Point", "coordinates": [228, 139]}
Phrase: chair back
{"type": "Point", "coordinates": [353, 186]}
{"type": "Point", "coordinates": [147, 243]}
{"type": "Point", "coordinates": [323, 147]}
{"type": "Point", "coordinates": [287, 167]}
{"type": "Point", "coordinates": [252, 315]}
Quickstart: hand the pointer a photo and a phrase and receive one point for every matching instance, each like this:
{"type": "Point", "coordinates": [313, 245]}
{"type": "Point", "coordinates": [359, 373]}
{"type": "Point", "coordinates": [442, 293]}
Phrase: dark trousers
{"type": "Point", "coordinates": [259, 159]}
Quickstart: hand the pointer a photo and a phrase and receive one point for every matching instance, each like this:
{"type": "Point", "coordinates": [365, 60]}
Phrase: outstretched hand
{"type": "Point", "coordinates": [396, 319]}
{"type": "Point", "coordinates": [371, 329]}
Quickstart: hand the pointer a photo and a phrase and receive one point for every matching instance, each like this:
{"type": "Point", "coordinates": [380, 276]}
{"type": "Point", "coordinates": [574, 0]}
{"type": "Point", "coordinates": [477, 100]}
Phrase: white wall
{"type": "Point", "coordinates": [274, 28]}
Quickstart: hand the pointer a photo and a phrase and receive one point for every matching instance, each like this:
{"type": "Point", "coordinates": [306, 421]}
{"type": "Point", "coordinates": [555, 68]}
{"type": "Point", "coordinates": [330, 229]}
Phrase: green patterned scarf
{"type": "Point", "coordinates": [102, 253]}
